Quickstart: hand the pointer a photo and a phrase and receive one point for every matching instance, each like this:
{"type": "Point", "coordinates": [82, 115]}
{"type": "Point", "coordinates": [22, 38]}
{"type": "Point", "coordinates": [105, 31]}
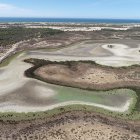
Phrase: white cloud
{"type": "Point", "coordinates": [7, 10]}
{"type": "Point", "coordinates": [6, 6]}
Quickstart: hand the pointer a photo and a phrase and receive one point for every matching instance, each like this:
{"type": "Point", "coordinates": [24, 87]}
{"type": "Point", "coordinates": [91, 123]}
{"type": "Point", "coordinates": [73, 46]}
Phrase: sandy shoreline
{"type": "Point", "coordinates": [9, 107]}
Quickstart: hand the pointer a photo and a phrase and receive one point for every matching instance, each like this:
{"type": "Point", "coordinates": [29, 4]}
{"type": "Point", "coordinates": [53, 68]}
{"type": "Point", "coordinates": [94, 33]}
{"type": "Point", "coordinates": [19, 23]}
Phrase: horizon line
{"type": "Point", "coordinates": [76, 18]}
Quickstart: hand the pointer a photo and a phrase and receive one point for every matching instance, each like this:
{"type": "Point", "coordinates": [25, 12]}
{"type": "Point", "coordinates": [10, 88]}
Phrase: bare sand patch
{"type": "Point", "coordinates": [122, 52]}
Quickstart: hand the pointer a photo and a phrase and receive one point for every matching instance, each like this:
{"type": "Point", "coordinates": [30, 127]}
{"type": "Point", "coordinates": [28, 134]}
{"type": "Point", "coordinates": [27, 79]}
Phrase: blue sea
{"type": "Point", "coordinates": [70, 20]}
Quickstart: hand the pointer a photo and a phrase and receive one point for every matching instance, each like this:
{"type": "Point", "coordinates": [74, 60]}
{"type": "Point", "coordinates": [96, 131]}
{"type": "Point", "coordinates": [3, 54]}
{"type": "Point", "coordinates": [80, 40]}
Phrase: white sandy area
{"type": "Point", "coordinates": [42, 92]}
{"type": "Point", "coordinates": [122, 55]}
{"type": "Point", "coordinates": [13, 107]}
{"type": "Point", "coordinates": [13, 77]}
{"type": "Point", "coordinates": [84, 28]}
{"type": "Point", "coordinates": [123, 50]}
{"type": "Point", "coordinates": [109, 61]}
{"type": "Point", "coordinates": [115, 63]}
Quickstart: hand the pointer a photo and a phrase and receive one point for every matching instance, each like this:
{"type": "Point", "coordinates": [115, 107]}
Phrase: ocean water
{"type": "Point", "coordinates": [70, 20]}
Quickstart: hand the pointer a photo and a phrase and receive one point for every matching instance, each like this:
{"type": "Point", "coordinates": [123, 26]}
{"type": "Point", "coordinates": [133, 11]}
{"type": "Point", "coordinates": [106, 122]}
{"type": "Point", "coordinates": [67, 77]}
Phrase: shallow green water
{"type": "Point", "coordinates": [114, 97]}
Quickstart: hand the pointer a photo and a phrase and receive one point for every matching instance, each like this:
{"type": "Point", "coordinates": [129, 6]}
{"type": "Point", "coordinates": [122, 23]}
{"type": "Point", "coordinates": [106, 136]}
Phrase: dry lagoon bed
{"type": "Point", "coordinates": [30, 95]}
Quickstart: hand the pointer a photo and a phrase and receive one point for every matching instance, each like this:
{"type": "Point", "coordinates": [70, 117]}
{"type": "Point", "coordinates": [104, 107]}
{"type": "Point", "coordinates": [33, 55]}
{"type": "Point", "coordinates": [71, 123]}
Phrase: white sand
{"type": "Point", "coordinates": [43, 92]}
{"type": "Point", "coordinates": [119, 55]}
{"type": "Point", "coordinates": [84, 28]}
{"type": "Point", "coordinates": [13, 107]}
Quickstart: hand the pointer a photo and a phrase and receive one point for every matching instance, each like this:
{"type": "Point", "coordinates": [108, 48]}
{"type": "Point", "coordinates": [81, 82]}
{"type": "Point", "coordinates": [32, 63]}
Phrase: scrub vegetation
{"type": "Point", "coordinates": [13, 35]}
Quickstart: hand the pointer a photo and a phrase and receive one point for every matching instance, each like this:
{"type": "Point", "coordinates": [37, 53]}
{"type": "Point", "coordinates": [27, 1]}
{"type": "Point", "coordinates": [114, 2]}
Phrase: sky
{"type": "Point", "coordinates": [122, 9]}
